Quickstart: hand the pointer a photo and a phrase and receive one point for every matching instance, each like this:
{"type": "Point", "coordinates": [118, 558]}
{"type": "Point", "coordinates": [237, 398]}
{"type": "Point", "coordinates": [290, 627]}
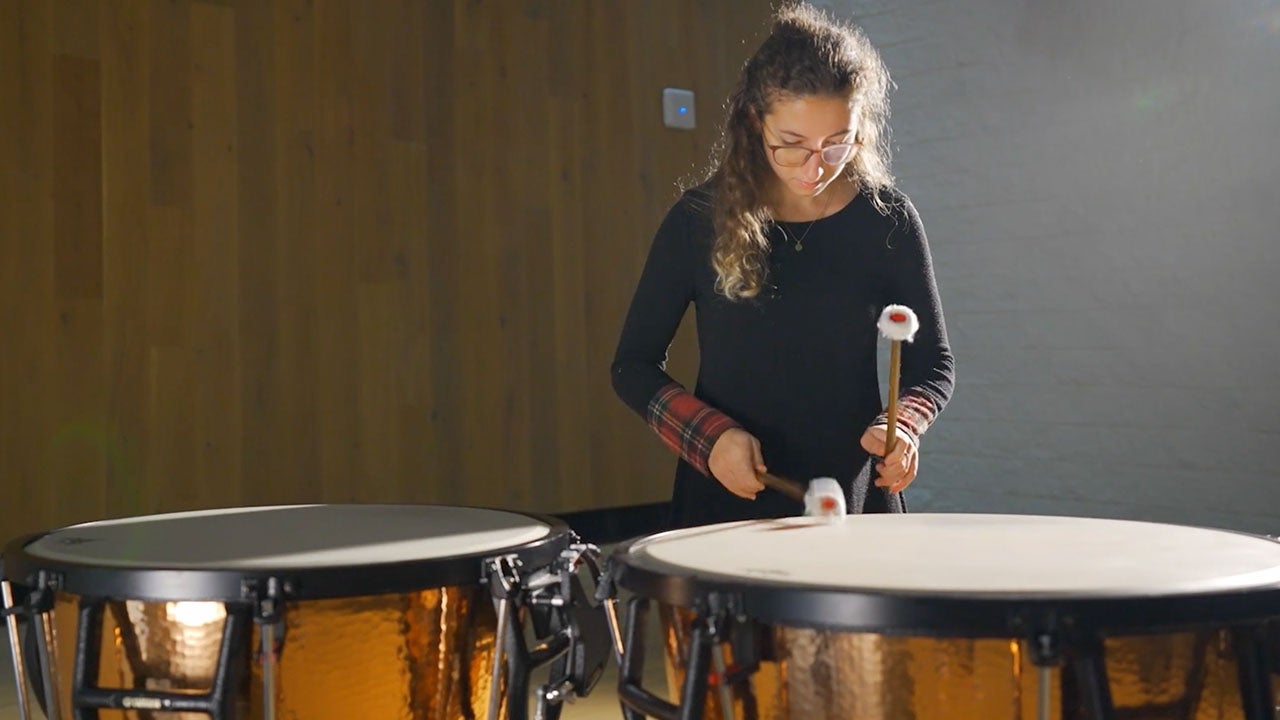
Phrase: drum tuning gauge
{"type": "Point", "coordinates": [506, 568]}
{"type": "Point", "coordinates": [541, 579]}
{"type": "Point", "coordinates": [575, 552]}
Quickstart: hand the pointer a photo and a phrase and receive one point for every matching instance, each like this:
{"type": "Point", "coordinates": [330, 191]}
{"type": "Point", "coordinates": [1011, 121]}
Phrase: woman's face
{"type": "Point", "coordinates": [809, 140]}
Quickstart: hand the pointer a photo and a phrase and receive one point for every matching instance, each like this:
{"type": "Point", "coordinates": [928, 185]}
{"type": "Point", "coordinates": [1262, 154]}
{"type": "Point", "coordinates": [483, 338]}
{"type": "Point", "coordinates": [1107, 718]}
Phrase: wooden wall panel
{"type": "Point", "coordinates": [298, 251]}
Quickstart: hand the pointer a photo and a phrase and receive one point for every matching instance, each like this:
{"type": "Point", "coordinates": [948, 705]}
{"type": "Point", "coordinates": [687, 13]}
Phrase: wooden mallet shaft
{"type": "Point", "coordinates": [790, 488]}
{"type": "Point", "coordinates": [898, 323]}
{"type": "Point", "coordinates": [895, 362]}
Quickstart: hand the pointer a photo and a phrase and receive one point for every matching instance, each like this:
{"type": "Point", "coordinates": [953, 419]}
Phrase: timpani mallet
{"type": "Point", "coordinates": [899, 324]}
{"type": "Point", "coordinates": [823, 498]}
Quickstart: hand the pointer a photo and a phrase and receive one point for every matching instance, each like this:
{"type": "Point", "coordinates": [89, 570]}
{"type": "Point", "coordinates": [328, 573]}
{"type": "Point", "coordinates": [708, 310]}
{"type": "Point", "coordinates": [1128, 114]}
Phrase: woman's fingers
{"type": "Point", "coordinates": [735, 461]}
{"type": "Point", "coordinates": [899, 469]}
{"type": "Point", "coordinates": [873, 440]}
{"type": "Point", "coordinates": [757, 457]}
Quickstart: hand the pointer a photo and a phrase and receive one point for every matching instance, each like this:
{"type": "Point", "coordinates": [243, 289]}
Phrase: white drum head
{"type": "Point", "coordinates": [971, 555]}
{"type": "Point", "coordinates": [289, 538]}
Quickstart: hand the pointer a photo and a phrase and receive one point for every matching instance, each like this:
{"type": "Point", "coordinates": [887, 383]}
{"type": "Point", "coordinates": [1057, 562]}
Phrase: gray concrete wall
{"type": "Point", "coordinates": [1100, 181]}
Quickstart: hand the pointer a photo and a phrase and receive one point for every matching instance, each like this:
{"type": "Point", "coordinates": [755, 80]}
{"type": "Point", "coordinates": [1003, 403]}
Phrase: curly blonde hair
{"type": "Point", "coordinates": [807, 53]}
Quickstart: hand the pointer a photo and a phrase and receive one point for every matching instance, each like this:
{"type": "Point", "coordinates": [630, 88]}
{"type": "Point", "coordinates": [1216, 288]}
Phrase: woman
{"type": "Point", "coordinates": [789, 251]}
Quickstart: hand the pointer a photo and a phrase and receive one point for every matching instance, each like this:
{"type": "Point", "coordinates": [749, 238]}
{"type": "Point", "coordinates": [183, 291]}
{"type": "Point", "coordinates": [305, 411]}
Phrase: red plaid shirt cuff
{"type": "Point", "coordinates": [915, 414]}
{"type": "Point", "coordinates": [687, 425]}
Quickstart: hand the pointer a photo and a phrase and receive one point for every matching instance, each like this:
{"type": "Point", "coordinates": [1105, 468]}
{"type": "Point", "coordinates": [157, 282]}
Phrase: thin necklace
{"type": "Point", "coordinates": [799, 241]}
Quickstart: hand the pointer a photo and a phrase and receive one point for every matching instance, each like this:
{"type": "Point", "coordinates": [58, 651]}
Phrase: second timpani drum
{"type": "Point", "coordinates": [941, 616]}
{"type": "Point", "coordinates": [308, 611]}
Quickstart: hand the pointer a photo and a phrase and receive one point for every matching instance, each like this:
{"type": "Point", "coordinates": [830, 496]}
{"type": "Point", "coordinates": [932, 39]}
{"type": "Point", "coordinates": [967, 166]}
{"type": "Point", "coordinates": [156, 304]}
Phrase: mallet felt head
{"type": "Point", "coordinates": [898, 322]}
{"type": "Point", "coordinates": [825, 498]}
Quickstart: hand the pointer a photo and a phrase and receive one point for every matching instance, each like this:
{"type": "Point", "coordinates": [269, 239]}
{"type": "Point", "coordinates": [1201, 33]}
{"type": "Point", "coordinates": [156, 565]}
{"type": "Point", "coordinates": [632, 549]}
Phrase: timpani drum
{"type": "Point", "coordinates": [309, 611]}
{"type": "Point", "coordinates": [932, 616]}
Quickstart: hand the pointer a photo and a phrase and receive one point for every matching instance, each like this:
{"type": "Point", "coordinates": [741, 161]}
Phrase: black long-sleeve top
{"type": "Point", "coordinates": [796, 365]}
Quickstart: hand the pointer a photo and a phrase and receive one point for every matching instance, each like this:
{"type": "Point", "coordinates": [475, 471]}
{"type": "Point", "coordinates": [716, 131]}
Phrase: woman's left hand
{"type": "Point", "coordinates": [899, 468]}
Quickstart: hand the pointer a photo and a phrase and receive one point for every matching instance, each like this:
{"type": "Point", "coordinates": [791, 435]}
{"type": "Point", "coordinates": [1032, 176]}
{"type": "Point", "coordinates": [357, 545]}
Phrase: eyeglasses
{"type": "Point", "coordinates": [795, 156]}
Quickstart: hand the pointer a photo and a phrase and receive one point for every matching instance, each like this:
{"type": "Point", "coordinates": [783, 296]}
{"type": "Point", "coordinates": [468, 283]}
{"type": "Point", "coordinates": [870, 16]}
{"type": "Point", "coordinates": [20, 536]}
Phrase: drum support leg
{"type": "Point", "coordinates": [233, 655]}
{"type": "Point", "coordinates": [502, 609]}
{"type": "Point", "coordinates": [1045, 653]}
{"type": "Point", "coordinates": [87, 699]}
{"type": "Point", "coordinates": [723, 688]}
{"type": "Point", "coordinates": [637, 703]}
{"type": "Point", "coordinates": [88, 643]}
{"type": "Point", "coordinates": [15, 648]}
{"type": "Point", "coordinates": [504, 580]}
{"type": "Point", "coordinates": [1044, 703]}
{"type": "Point", "coordinates": [47, 648]}
{"type": "Point", "coordinates": [519, 661]}
{"type": "Point", "coordinates": [269, 615]}
{"type": "Point", "coordinates": [1086, 691]}
{"type": "Point", "coordinates": [694, 696]}
{"type": "Point", "coordinates": [745, 637]}
{"type": "Point", "coordinates": [1253, 666]}
{"type": "Point", "coordinates": [615, 628]}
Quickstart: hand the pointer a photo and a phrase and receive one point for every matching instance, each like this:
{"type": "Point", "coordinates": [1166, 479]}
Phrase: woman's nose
{"type": "Point", "coordinates": [813, 168]}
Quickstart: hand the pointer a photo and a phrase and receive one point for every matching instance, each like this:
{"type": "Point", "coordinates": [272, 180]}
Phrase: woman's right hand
{"type": "Point", "coordinates": [736, 461]}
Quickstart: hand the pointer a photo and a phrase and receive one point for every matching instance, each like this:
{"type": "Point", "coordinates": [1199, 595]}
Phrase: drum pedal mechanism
{"type": "Point", "coordinates": [569, 630]}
